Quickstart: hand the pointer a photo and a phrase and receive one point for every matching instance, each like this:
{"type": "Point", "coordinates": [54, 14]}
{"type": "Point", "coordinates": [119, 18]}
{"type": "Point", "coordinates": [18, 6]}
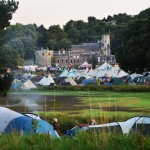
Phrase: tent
{"type": "Point", "coordinates": [49, 80]}
{"type": "Point", "coordinates": [42, 80]}
{"type": "Point", "coordinates": [75, 130]}
{"type": "Point", "coordinates": [85, 64]}
{"type": "Point", "coordinates": [70, 73]}
{"type": "Point", "coordinates": [28, 85]}
{"type": "Point", "coordinates": [105, 66]}
{"type": "Point", "coordinates": [136, 124]}
{"type": "Point", "coordinates": [72, 82]}
{"type": "Point", "coordinates": [122, 73]}
{"type": "Point", "coordinates": [135, 75]}
{"type": "Point", "coordinates": [143, 79]}
{"type": "Point", "coordinates": [12, 121]}
{"type": "Point", "coordinates": [15, 81]}
{"type": "Point", "coordinates": [87, 81]}
{"type": "Point", "coordinates": [116, 81]}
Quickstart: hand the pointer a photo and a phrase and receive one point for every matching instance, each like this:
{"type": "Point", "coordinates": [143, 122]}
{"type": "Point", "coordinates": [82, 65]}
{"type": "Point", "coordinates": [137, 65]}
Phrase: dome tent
{"type": "Point", "coordinates": [13, 121]}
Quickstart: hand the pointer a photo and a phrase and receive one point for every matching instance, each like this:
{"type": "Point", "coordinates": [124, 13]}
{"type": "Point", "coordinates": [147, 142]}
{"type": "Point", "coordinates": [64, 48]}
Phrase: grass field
{"type": "Point", "coordinates": [79, 106]}
{"type": "Point", "coordinates": [76, 107]}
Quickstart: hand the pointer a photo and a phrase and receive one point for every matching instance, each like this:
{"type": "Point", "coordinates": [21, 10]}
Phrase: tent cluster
{"type": "Point", "coordinates": [104, 74]}
{"type": "Point", "coordinates": [24, 124]}
{"type": "Point", "coordinates": [136, 124]}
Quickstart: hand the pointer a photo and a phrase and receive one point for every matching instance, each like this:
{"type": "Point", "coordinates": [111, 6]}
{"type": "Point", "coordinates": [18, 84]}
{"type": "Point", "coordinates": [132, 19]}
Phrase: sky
{"type": "Point", "coordinates": [59, 12]}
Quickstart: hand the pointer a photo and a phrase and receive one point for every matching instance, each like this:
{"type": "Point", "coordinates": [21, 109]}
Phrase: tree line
{"type": "Point", "coordinates": [20, 41]}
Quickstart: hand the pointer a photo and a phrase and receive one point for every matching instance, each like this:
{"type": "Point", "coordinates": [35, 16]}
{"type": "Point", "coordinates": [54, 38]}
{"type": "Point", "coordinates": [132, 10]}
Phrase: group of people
{"type": "Point", "coordinates": [57, 126]}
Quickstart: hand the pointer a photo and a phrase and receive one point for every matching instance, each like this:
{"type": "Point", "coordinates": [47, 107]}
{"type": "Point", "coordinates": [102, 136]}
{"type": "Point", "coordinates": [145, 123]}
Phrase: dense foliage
{"type": "Point", "coordinates": [134, 53]}
{"type": "Point", "coordinates": [8, 55]}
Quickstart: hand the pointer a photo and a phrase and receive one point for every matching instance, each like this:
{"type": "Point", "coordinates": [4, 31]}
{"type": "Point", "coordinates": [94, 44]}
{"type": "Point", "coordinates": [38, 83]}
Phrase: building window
{"type": "Point", "coordinates": [66, 61]}
{"type": "Point", "coordinates": [37, 53]}
{"type": "Point", "coordinates": [49, 54]}
{"type": "Point", "coordinates": [54, 61]}
{"type": "Point", "coordinates": [77, 56]}
{"type": "Point", "coordinates": [83, 59]}
{"type": "Point", "coordinates": [78, 61]}
{"type": "Point", "coordinates": [71, 61]}
{"type": "Point", "coordinates": [62, 61]}
{"type": "Point", "coordinates": [74, 61]}
{"type": "Point", "coordinates": [58, 61]}
{"type": "Point", "coordinates": [43, 54]}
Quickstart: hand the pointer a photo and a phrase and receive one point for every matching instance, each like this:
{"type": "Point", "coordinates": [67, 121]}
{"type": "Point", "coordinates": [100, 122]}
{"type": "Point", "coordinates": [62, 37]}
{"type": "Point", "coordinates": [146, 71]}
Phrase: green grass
{"type": "Point", "coordinates": [103, 106]}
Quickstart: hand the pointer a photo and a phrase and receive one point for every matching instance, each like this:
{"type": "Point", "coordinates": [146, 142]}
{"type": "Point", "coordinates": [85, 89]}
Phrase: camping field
{"type": "Point", "coordinates": [73, 108]}
{"type": "Point", "coordinates": [79, 106]}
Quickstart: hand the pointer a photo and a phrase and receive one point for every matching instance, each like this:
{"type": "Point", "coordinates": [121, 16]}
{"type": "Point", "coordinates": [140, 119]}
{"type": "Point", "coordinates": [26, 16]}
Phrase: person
{"type": "Point", "coordinates": [56, 126]}
{"type": "Point", "coordinates": [93, 122]}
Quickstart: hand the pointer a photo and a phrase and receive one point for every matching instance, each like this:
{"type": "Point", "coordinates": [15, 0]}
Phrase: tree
{"type": "Point", "coordinates": [11, 57]}
{"type": "Point", "coordinates": [7, 8]}
{"type": "Point", "coordinates": [65, 44]}
{"type": "Point", "coordinates": [52, 44]}
{"type": "Point", "coordinates": [55, 32]}
{"type": "Point", "coordinates": [42, 36]}
{"type": "Point", "coordinates": [5, 83]}
{"type": "Point", "coordinates": [144, 14]}
{"type": "Point", "coordinates": [135, 49]}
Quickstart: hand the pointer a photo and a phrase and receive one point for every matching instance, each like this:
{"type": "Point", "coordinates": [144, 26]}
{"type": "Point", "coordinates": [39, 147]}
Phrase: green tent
{"type": "Point", "coordinates": [116, 81]}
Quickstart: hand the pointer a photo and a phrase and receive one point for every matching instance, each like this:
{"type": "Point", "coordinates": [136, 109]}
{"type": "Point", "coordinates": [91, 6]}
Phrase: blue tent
{"type": "Point", "coordinates": [87, 81]}
{"type": "Point", "coordinates": [26, 125]}
{"type": "Point", "coordinates": [15, 86]}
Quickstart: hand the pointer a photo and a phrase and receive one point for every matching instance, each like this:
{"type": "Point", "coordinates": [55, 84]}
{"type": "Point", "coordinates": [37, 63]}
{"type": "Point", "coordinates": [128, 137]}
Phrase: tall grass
{"type": "Point", "coordinates": [83, 141]}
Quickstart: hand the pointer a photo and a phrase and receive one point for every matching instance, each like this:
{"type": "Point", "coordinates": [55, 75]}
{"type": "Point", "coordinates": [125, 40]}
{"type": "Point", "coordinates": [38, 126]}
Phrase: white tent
{"type": "Point", "coordinates": [105, 66]}
{"type": "Point", "coordinates": [72, 82]}
{"type": "Point", "coordinates": [88, 71]}
{"type": "Point", "coordinates": [28, 85]}
{"type": "Point", "coordinates": [122, 73]}
{"type": "Point", "coordinates": [42, 80]}
{"type": "Point", "coordinates": [25, 75]}
{"type": "Point", "coordinates": [85, 75]}
{"type": "Point", "coordinates": [135, 75]}
{"type": "Point", "coordinates": [48, 80]}
{"type": "Point", "coordinates": [16, 81]}
{"type": "Point", "coordinates": [7, 115]}
{"type": "Point", "coordinates": [138, 123]}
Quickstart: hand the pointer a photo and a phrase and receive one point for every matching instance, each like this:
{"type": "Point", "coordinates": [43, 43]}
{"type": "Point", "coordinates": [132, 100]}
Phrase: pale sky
{"type": "Point", "coordinates": [54, 12]}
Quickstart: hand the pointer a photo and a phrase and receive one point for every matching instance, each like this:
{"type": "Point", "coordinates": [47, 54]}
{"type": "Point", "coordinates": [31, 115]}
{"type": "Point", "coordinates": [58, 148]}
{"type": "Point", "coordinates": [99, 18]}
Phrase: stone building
{"type": "Point", "coordinates": [43, 57]}
{"type": "Point", "coordinates": [93, 53]}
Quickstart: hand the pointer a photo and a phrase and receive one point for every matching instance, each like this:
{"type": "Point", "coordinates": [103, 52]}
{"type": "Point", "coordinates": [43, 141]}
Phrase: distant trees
{"type": "Point", "coordinates": [22, 38]}
{"type": "Point", "coordinates": [144, 14]}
